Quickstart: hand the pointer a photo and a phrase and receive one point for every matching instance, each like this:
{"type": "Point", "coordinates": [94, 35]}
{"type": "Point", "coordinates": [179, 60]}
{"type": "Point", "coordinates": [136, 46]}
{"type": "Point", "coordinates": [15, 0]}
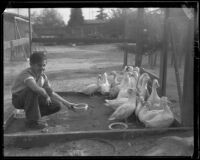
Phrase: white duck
{"type": "Point", "coordinates": [91, 89]}
{"type": "Point", "coordinates": [115, 85]}
{"type": "Point", "coordinates": [143, 93]}
{"type": "Point", "coordinates": [126, 109]}
{"type": "Point", "coordinates": [137, 69]}
{"type": "Point", "coordinates": [163, 119]}
{"type": "Point", "coordinates": [140, 79]}
{"type": "Point", "coordinates": [133, 80]}
{"type": "Point", "coordinates": [144, 113]}
{"type": "Point", "coordinates": [115, 103]}
{"type": "Point", "coordinates": [104, 85]}
{"type": "Point", "coordinates": [128, 68]}
{"type": "Point", "coordinates": [143, 90]}
{"type": "Point", "coordinates": [124, 85]}
{"type": "Point", "coordinates": [154, 99]}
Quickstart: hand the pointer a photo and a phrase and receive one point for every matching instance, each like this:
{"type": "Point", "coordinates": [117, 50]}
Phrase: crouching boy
{"type": "Point", "coordinates": [32, 92]}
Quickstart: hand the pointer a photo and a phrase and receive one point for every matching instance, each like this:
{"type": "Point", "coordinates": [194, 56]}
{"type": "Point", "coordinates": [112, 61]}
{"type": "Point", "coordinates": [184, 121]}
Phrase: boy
{"type": "Point", "coordinates": [32, 92]}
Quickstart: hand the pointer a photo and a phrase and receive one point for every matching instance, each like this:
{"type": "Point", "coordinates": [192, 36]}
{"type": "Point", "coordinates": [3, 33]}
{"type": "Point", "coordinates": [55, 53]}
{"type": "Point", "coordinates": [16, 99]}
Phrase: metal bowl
{"type": "Point", "coordinates": [118, 125]}
{"type": "Point", "coordinates": [81, 106]}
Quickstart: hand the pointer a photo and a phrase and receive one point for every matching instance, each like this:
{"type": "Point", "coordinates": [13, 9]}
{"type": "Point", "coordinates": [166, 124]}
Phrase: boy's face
{"type": "Point", "coordinates": [39, 68]}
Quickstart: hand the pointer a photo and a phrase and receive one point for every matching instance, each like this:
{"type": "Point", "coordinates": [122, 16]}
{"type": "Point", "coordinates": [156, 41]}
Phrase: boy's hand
{"type": "Point", "coordinates": [70, 106]}
{"type": "Point", "coordinates": [48, 100]}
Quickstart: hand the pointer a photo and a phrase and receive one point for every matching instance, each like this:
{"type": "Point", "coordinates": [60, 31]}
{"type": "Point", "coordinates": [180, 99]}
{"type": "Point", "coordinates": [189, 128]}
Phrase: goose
{"type": "Point", "coordinates": [115, 79]}
{"type": "Point", "coordinates": [128, 68]}
{"type": "Point", "coordinates": [133, 80]}
{"type": "Point", "coordinates": [91, 89]}
{"type": "Point", "coordinates": [125, 83]}
{"type": "Point", "coordinates": [104, 85]}
{"type": "Point", "coordinates": [140, 79]}
{"type": "Point", "coordinates": [144, 113]}
{"type": "Point", "coordinates": [143, 90]}
{"type": "Point", "coordinates": [126, 109]}
{"type": "Point", "coordinates": [114, 86]}
{"type": "Point", "coordinates": [154, 99]}
{"type": "Point", "coordinates": [164, 118]}
{"type": "Point", "coordinates": [137, 69]}
{"type": "Point", "coordinates": [115, 103]}
{"type": "Point", "coordinates": [143, 93]}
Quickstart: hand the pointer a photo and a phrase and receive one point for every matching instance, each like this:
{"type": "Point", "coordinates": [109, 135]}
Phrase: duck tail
{"type": "Point", "coordinates": [111, 118]}
{"type": "Point", "coordinates": [107, 101]}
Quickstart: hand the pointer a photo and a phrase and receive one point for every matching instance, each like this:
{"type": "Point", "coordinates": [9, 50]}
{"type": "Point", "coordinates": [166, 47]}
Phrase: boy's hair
{"type": "Point", "coordinates": [37, 57]}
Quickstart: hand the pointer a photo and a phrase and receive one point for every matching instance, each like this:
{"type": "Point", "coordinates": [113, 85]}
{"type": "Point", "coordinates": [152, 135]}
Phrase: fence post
{"type": "Point", "coordinates": [139, 41]}
{"type": "Point", "coordinates": [125, 57]}
{"type": "Point", "coordinates": [30, 32]}
{"type": "Point", "coordinates": [188, 89]}
{"type": "Point", "coordinates": [163, 57]}
{"type": "Point", "coordinates": [11, 51]}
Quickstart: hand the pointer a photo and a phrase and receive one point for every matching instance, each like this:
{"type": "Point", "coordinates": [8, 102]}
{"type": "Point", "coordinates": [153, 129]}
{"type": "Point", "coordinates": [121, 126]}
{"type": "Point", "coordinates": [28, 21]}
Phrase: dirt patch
{"type": "Point", "coordinates": [94, 118]}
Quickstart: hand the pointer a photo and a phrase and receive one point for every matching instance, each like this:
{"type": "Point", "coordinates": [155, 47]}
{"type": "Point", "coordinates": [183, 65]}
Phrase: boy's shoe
{"type": "Point", "coordinates": [36, 124]}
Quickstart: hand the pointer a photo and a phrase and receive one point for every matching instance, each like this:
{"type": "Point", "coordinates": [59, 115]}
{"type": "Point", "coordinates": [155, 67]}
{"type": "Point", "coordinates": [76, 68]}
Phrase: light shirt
{"type": "Point", "coordinates": [19, 83]}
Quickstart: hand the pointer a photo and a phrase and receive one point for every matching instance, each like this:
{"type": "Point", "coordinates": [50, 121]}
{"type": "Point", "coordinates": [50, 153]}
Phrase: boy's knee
{"type": "Point", "coordinates": [29, 91]}
{"type": "Point", "coordinates": [57, 105]}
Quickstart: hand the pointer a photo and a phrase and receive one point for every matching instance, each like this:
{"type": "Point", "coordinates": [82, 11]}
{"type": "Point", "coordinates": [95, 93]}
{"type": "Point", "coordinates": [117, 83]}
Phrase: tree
{"type": "Point", "coordinates": [76, 17]}
{"type": "Point", "coordinates": [101, 15]}
{"type": "Point", "coordinates": [49, 18]}
{"type": "Point", "coordinates": [116, 23]}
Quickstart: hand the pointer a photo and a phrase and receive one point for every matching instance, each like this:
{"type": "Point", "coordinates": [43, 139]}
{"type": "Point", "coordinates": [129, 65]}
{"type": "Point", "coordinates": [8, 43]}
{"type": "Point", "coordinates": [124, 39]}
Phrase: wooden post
{"type": "Point", "coordinates": [174, 56]}
{"type": "Point", "coordinates": [188, 89]}
{"type": "Point", "coordinates": [139, 46]}
{"type": "Point", "coordinates": [30, 32]}
{"type": "Point", "coordinates": [125, 58]}
{"type": "Point", "coordinates": [163, 57]}
{"type": "Point", "coordinates": [11, 51]}
{"type": "Point", "coordinates": [125, 36]}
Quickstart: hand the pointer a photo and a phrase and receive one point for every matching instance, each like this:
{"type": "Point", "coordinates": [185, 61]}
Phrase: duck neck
{"type": "Point", "coordinates": [139, 107]}
{"type": "Point", "coordinates": [154, 93]}
{"type": "Point", "coordinates": [125, 81]}
{"type": "Point", "coordinates": [115, 79]}
{"type": "Point", "coordinates": [142, 107]}
{"type": "Point", "coordinates": [144, 84]}
{"type": "Point", "coordinates": [105, 79]}
{"type": "Point", "coordinates": [131, 99]}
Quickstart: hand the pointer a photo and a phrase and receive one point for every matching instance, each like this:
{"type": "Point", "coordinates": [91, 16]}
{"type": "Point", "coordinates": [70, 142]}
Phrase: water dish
{"type": "Point", "coordinates": [81, 106]}
{"type": "Point", "coordinates": [118, 125]}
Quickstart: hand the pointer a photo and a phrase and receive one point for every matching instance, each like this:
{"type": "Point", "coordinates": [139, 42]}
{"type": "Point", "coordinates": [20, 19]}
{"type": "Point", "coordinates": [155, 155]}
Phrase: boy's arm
{"type": "Point", "coordinates": [54, 95]}
{"type": "Point", "coordinates": [35, 88]}
{"type": "Point", "coordinates": [65, 102]}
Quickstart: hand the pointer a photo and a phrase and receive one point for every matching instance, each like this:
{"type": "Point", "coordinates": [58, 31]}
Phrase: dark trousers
{"type": "Point", "coordinates": [35, 106]}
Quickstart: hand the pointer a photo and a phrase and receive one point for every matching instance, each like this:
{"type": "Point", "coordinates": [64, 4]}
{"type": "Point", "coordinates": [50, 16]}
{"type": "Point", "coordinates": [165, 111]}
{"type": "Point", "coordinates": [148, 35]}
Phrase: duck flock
{"type": "Point", "coordinates": [128, 94]}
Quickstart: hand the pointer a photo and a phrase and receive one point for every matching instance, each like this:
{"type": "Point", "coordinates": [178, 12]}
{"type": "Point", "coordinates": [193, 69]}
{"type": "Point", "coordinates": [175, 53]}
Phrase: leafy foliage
{"type": "Point", "coordinates": [76, 17]}
{"type": "Point", "coordinates": [101, 14]}
{"type": "Point", "coordinates": [48, 18]}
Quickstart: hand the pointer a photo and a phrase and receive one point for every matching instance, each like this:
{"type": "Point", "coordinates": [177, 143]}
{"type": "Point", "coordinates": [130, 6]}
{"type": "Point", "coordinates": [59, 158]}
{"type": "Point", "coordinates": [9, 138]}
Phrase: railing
{"type": "Point", "coordinates": [16, 43]}
{"type": "Point", "coordinates": [81, 40]}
